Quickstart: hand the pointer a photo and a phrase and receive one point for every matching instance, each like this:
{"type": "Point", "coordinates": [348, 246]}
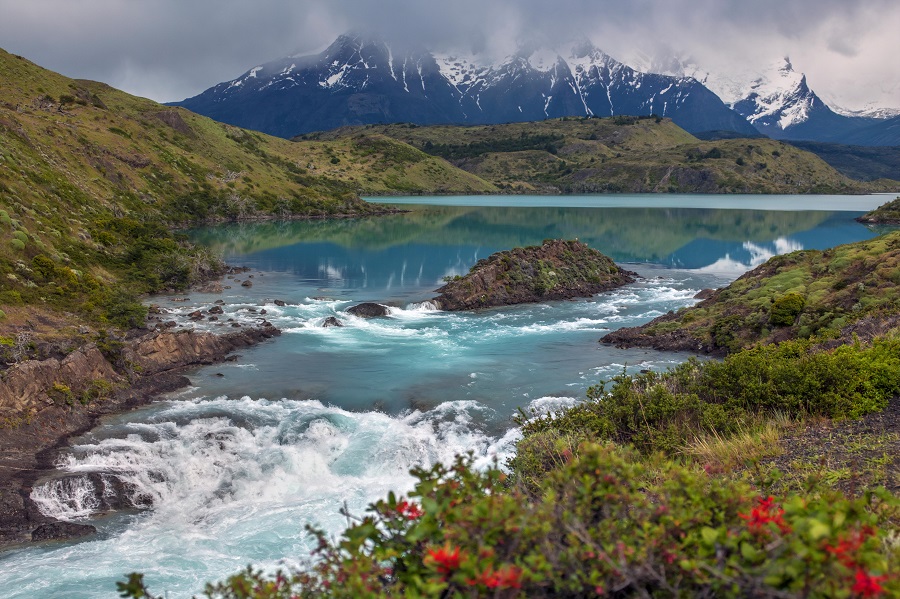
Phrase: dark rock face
{"type": "Point", "coordinates": [148, 366]}
{"type": "Point", "coordinates": [677, 340]}
{"type": "Point", "coordinates": [556, 270]}
{"type": "Point", "coordinates": [331, 321]}
{"type": "Point", "coordinates": [704, 294]}
{"type": "Point", "coordinates": [368, 310]}
{"type": "Point", "coordinates": [60, 531]}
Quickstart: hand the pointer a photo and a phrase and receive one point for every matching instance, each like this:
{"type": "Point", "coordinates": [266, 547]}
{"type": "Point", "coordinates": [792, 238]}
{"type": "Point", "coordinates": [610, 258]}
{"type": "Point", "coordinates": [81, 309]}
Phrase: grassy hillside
{"type": "Point", "coordinates": [791, 296]}
{"type": "Point", "coordinates": [91, 180]}
{"type": "Point", "coordinates": [617, 154]}
{"type": "Point", "coordinates": [375, 164]}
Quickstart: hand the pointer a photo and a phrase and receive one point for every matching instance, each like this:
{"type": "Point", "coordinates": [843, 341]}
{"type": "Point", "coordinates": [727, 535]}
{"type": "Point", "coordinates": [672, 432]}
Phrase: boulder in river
{"type": "Point", "coordinates": [555, 270]}
{"type": "Point", "coordinates": [368, 310]}
{"type": "Point", "coordinates": [331, 321]}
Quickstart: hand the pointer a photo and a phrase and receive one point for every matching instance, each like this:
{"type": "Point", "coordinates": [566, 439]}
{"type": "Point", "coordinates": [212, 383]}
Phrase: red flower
{"type": "Point", "coordinates": [848, 544]}
{"type": "Point", "coordinates": [410, 511]}
{"type": "Point", "coordinates": [446, 559]}
{"type": "Point", "coordinates": [868, 585]}
{"type": "Point", "coordinates": [766, 512]}
{"type": "Point", "coordinates": [507, 577]}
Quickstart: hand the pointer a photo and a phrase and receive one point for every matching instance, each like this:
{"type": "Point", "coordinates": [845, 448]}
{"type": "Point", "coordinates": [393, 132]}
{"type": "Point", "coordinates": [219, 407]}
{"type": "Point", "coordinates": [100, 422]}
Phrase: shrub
{"type": "Point", "coordinates": [61, 393]}
{"type": "Point", "coordinates": [17, 244]}
{"type": "Point", "coordinates": [604, 524]}
{"type": "Point", "coordinates": [664, 411]}
{"type": "Point", "coordinates": [786, 309]}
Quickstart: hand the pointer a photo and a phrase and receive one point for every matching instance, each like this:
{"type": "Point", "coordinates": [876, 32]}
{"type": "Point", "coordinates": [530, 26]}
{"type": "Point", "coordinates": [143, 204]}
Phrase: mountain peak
{"type": "Point", "coordinates": [362, 78]}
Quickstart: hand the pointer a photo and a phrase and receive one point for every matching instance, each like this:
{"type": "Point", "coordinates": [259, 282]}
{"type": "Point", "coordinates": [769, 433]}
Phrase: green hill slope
{"type": "Point", "coordinates": [793, 296]}
{"type": "Point", "coordinates": [617, 154]}
{"type": "Point", "coordinates": [91, 179]}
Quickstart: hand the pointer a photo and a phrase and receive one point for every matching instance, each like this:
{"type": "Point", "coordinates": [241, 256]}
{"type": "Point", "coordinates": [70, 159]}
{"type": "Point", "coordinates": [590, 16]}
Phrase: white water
{"type": "Point", "coordinates": [234, 481]}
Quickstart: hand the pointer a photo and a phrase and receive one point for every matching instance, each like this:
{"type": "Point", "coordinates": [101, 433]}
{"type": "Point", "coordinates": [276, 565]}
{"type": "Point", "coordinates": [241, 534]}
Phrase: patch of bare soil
{"type": "Point", "coordinates": [849, 455]}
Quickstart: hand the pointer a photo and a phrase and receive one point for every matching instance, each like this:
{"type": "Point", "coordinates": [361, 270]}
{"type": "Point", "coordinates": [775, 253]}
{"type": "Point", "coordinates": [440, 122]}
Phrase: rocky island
{"type": "Point", "coordinates": [555, 270]}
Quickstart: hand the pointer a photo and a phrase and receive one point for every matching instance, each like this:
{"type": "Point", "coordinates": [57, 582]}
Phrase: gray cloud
{"type": "Point", "coordinates": [171, 49]}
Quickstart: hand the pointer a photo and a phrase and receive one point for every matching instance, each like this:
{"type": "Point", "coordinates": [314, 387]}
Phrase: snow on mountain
{"type": "Point", "coordinates": [780, 98]}
{"type": "Point", "coordinates": [776, 96]}
{"type": "Point", "coordinates": [875, 110]}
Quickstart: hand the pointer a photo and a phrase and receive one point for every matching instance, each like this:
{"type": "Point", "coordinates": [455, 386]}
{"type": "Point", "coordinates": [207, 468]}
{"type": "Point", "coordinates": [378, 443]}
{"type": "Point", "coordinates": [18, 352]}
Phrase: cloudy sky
{"type": "Point", "coordinates": [172, 49]}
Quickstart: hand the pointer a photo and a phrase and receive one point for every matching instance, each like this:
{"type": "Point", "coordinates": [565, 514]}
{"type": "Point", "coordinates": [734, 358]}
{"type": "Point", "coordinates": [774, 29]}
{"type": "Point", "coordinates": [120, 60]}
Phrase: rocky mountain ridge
{"type": "Point", "coordinates": [779, 102]}
{"type": "Point", "coordinates": [361, 79]}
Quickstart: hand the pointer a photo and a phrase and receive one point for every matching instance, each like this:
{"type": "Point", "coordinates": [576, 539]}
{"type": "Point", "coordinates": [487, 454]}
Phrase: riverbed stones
{"type": "Point", "coordinates": [331, 321]}
{"type": "Point", "coordinates": [368, 310]}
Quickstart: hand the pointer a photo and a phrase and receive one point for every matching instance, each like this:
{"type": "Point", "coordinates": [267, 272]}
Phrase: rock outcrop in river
{"type": "Point", "coordinates": [555, 270]}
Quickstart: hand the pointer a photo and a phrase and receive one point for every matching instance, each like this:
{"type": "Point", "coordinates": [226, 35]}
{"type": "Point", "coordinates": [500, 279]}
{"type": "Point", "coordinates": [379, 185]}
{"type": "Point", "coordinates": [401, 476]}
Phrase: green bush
{"type": "Point", "coordinates": [664, 411]}
{"type": "Point", "coordinates": [604, 524]}
{"type": "Point", "coordinates": [17, 244]}
{"type": "Point", "coordinates": [786, 309]}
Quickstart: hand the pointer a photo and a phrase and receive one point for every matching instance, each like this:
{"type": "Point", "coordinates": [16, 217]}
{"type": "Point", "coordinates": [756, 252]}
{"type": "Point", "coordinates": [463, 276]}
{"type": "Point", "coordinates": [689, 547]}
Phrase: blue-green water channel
{"type": "Point", "coordinates": [234, 466]}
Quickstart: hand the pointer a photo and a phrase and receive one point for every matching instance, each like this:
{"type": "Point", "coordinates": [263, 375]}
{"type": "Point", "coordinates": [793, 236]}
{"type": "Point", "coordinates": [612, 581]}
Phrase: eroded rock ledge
{"type": "Point", "coordinates": [555, 270]}
{"type": "Point", "coordinates": [43, 403]}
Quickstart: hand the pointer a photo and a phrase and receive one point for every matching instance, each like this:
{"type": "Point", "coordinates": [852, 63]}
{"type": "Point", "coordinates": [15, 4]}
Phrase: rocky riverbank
{"type": "Point", "coordinates": [45, 402]}
{"type": "Point", "coordinates": [555, 270]}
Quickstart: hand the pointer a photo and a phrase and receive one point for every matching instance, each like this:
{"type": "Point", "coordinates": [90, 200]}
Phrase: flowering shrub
{"type": "Point", "coordinates": [605, 523]}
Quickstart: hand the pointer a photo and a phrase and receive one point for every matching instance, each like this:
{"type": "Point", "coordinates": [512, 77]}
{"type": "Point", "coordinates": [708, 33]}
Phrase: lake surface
{"type": "Point", "coordinates": [236, 465]}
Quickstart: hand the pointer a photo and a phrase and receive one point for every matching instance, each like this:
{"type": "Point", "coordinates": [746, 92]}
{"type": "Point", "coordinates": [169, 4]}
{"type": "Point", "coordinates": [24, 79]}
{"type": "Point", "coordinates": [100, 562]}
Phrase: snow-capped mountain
{"type": "Point", "coordinates": [361, 79]}
{"type": "Point", "coordinates": [778, 101]}
{"type": "Point", "coordinates": [872, 110]}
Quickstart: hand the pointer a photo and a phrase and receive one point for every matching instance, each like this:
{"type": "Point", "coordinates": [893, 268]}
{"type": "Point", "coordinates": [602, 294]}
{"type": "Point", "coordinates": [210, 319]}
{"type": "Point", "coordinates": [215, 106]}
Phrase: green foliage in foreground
{"type": "Point", "coordinates": [605, 523]}
{"type": "Point", "coordinates": [666, 411]}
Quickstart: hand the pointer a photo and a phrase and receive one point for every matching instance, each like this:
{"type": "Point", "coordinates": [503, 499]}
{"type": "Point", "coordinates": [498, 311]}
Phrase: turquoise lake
{"type": "Point", "coordinates": [238, 463]}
